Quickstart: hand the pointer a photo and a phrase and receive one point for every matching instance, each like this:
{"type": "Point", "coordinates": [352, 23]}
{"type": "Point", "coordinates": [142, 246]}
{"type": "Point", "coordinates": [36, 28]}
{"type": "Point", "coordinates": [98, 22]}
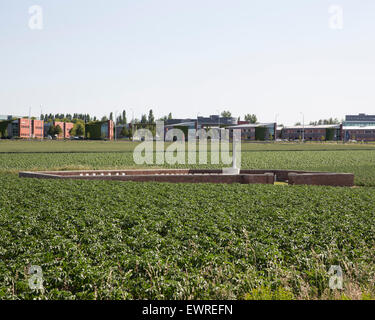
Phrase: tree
{"type": "Point", "coordinates": [79, 128]}
{"type": "Point", "coordinates": [325, 121]}
{"type": "Point", "coordinates": [119, 119]}
{"type": "Point", "coordinates": [151, 118]}
{"type": "Point", "coordinates": [144, 119]}
{"type": "Point", "coordinates": [111, 116]}
{"type": "Point", "coordinates": [226, 114]}
{"type": "Point", "coordinates": [252, 118]}
{"type": "Point", "coordinates": [104, 118]}
{"type": "Point", "coordinates": [170, 116]}
{"type": "Point", "coordinates": [58, 130]}
{"type": "Point", "coordinates": [124, 132]}
{"type": "Point", "coordinates": [54, 130]}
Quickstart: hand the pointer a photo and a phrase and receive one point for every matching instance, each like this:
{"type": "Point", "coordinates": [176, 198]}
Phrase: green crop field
{"type": "Point", "coordinates": [126, 240]}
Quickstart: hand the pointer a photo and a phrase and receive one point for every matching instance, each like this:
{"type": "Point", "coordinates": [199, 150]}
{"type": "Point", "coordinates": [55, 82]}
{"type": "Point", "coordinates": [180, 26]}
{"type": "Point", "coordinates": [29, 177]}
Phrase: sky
{"type": "Point", "coordinates": [286, 60]}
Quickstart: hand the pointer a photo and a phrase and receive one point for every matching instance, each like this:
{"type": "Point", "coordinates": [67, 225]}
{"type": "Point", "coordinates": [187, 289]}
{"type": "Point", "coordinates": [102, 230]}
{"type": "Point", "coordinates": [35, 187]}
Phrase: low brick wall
{"type": "Point", "coordinates": [280, 175]}
{"type": "Point", "coordinates": [326, 179]}
{"type": "Point", "coordinates": [265, 178]}
{"type": "Point", "coordinates": [173, 176]}
{"type": "Point", "coordinates": [202, 176]}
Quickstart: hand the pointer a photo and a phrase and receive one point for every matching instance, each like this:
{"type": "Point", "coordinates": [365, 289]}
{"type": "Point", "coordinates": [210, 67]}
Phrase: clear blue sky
{"type": "Point", "coordinates": [188, 57]}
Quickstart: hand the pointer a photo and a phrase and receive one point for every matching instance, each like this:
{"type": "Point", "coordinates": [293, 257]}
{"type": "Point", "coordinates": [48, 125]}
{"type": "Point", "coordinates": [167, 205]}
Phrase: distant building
{"type": "Point", "coordinates": [23, 128]}
{"type": "Point", "coordinates": [359, 127]}
{"type": "Point", "coordinates": [312, 132]}
{"type": "Point", "coordinates": [215, 121]}
{"type": "Point", "coordinates": [100, 130]}
{"type": "Point", "coordinates": [200, 122]}
{"type": "Point", "coordinates": [359, 120]}
{"type": "Point", "coordinates": [359, 133]}
{"type": "Point", "coordinates": [65, 128]}
{"type": "Point", "coordinates": [8, 117]}
{"type": "Point", "coordinates": [255, 131]}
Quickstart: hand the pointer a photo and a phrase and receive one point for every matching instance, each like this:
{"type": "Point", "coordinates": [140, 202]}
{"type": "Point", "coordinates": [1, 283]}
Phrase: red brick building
{"type": "Point", "coordinates": [110, 129]}
{"type": "Point", "coordinates": [37, 129]}
{"type": "Point", "coordinates": [67, 127]}
{"type": "Point", "coordinates": [27, 128]}
{"type": "Point", "coordinates": [312, 132]}
{"type": "Point", "coordinates": [24, 128]}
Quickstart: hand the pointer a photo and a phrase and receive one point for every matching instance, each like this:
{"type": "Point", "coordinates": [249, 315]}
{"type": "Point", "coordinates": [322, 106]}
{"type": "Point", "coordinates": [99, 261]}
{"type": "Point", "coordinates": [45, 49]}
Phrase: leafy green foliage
{"type": "Point", "coordinates": [125, 240]}
{"type": "Point", "coordinates": [187, 241]}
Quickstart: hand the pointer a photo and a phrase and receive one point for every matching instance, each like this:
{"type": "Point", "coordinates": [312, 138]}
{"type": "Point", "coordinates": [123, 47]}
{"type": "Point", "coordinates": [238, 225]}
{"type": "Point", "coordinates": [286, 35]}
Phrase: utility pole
{"type": "Point", "coordinates": [303, 127]}
{"type": "Point", "coordinates": [276, 125]}
{"type": "Point", "coordinates": [218, 112]}
{"type": "Point", "coordinates": [132, 123]}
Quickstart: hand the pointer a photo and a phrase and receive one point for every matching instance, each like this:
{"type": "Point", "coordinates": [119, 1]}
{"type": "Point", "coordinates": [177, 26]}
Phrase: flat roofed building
{"type": "Point", "coordinates": [359, 133]}
{"type": "Point", "coordinates": [312, 132]}
{"type": "Point", "coordinates": [255, 131]}
{"type": "Point", "coordinates": [200, 122]}
{"type": "Point", "coordinates": [361, 119]}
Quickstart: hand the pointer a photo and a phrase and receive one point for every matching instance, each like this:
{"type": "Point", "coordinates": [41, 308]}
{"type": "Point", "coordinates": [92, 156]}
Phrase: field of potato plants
{"type": "Point", "coordinates": [127, 240]}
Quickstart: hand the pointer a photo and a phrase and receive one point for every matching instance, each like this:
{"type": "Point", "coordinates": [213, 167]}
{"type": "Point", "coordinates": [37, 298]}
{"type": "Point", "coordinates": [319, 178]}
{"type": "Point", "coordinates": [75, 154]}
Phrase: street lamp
{"type": "Point", "coordinates": [275, 133]}
{"type": "Point", "coordinates": [132, 122]}
{"type": "Point", "coordinates": [218, 112]}
{"type": "Point", "coordinates": [303, 127]}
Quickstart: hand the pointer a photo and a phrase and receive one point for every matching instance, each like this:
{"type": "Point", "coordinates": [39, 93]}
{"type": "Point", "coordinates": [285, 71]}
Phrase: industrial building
{"type": "Point", "coordinates": [256, 131]}
{"type": "Point", "coordinates": [100, 130]}
{"type": "Point", "coordinates": [65, 128]}
{"type": "Point", "coordinates": [25, 128]}
{"type": "Point", "coordinates": [360, 120]}
{"type": "Point", "coordinates": [22, 128]}
{"type": "Point", "coordinates": [203, 122]}
{"type": "Point", "coordinates": [312, 132]}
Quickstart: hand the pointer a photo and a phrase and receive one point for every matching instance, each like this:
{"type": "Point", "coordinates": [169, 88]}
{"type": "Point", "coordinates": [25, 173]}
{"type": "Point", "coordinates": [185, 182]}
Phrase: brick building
{"type": "Point", "coordinates": [25, 128]}
{"type": "Point", "coordinates": [65, 128]}
{"type": "Point", "coordinates": [312, 132]}
{"type": "Point", "coordinates": [366, 133]}
{"type": "Point", "coordinates": [255, 131]}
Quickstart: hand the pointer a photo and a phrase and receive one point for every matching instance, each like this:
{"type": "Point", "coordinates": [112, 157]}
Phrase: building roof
{"type": "Point", "coordinates": [182, 124]}
{"type": "Point", "coordinates": [250, 125]}
{"type": "Point", "coordinates": [323, 126]}
{"type": "Point", "coordinates": [358, 127]}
